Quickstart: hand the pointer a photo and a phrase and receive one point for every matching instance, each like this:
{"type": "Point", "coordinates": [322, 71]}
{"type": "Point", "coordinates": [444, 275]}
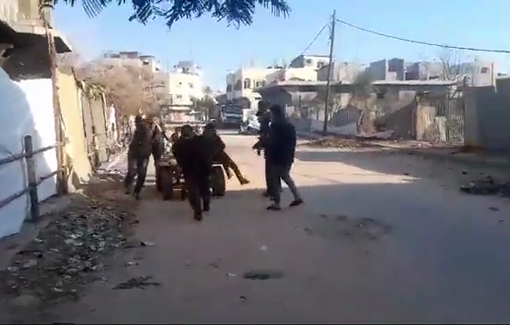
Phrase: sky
{"type": "Point", "coordinates": [218, 48]}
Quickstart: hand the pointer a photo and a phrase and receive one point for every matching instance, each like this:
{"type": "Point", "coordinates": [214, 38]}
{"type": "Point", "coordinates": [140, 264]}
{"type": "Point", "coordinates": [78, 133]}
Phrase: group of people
{"type": "Point", "coordinates": [195, 154]}
{"type": "Point", "coordinates": [277, 139]}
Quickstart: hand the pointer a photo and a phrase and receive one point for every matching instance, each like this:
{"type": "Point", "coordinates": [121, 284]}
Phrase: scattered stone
{"type": "Point", "coordinates": [63, 258]}
{"type": "Point", "coordinates": [493, 209]}
{"type": "Point", "coordinates": [263, 275]}
{"type": "Point", "coordinates": [147, 243]}
{"type": "Point", "coordinates": [487, 186]}
{"type": "Point", "coordinates": [131, 263]}
{"type": "Point", "coordinates": [231, 275]}
{"type": "Point", "coordinates": [336, 142]}
{"type": "Point", "coordinates": [139, 283]}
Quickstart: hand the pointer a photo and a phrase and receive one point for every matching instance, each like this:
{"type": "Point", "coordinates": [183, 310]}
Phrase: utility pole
{"type": "Point", "coordinates": [328, 82]}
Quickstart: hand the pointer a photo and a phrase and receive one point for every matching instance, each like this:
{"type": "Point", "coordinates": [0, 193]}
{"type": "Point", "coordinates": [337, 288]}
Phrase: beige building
{"type": "Point", "coordinates": [245, 81]}
{"type": "Point", "coordinates": [185, 84]}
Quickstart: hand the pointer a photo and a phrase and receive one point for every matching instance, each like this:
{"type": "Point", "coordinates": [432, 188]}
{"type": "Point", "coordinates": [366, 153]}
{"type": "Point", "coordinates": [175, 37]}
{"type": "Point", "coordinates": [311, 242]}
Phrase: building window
{"type": "Point", "coordinates": [247, 83]}
{"type": "Point", "coordinates": [190, 84]}
{"type": "Point", "coordinates": [320, 65]}
{"type": "Point", "coordinates": [484, 70]}
{"type": "Point", "coordinates": [260, 83]}
{"type": "Point", "coordinates": [229, 88]}
{"type": "Point", "coordinates": [178, 96]}
{"type": "Point", "coordinates": [179, 84]}
{"type": "Point", "coordinates": [309, 61]}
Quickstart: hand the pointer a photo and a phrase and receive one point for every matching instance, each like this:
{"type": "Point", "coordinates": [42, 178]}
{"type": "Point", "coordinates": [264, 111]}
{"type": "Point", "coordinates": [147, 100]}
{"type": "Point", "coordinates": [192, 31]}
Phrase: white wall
{"type": "Point", "coordinates": [183, 87]}
{"type": "Point", "coordinates": [26, 108]}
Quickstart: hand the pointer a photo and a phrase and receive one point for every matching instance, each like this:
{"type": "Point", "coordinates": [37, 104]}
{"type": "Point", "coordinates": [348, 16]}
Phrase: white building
{"type": "Point", "coordinates": [245, 81]}
{"type": "Point", "coordinates": [185, 84]}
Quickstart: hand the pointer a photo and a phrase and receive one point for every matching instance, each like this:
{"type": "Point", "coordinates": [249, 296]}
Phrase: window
{"type": "Point", "coordinates": [260, 83]}
{"type": "Point", "coordinates": [309, 61]}
{"type": "Point", "coordinates": [380, 95]}
{"type": "Point", "coordinates": [247, 83]}
{"type": "Point", "coordinates": [320, 64]}
{"type": "Point", "coordinates": [229, 88]}
{"type": "Point", "coordinates": [179, 96]}
{"type": "Point", "coordinates": [190, 84]}
{"type": "Point", "coordinates": [484, 70]}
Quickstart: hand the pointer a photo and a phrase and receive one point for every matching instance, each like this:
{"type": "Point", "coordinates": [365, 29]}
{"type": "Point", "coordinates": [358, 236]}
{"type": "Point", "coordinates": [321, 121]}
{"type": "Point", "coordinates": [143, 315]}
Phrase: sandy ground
{"type": "Point", "coordinates": [382, 238]}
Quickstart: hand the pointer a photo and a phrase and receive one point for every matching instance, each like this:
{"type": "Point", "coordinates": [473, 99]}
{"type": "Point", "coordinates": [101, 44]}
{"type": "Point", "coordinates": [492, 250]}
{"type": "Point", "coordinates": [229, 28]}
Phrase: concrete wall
{"type": "Point", "coordinates": [27, 109]}
{"type": "Point", "coordinates": [77, 161]}
{"type": "Point", "coordinates": [397, 66]}
{"type": "Point", "coordinates": [487, 116]}
{"type": "Point", "coordinates": [341, 71]}
{"type": "Point", "coordinates": [378, 69]}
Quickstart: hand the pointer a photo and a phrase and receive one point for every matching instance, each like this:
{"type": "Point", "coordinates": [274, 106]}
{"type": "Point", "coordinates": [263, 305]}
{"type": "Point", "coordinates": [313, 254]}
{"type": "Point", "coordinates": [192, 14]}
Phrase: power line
{"type": "Point", "coordinates": [472, 49]}
{"type": "Point", "coordinates": [314, 39]}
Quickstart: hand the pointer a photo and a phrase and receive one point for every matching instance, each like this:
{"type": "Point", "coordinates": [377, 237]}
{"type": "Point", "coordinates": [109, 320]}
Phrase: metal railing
{"type": "Point", "coordinates": [33, 180]}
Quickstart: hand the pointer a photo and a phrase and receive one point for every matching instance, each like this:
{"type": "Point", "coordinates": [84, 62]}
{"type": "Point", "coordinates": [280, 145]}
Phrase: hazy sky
{"type": "Point", "coordinates": [218, 48]}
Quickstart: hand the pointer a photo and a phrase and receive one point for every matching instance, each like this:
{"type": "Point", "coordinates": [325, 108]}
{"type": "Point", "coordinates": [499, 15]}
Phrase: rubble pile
{"type": "Point", "coordinates": [67, 253]}
{"type": "Point", "coordinates": [487, 186]}
{"type": "Point", "coordinates": [335, 142]}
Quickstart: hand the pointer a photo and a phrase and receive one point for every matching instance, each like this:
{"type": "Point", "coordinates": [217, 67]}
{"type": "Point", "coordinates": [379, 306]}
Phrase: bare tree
{"type": "Point", "coordinates": [124, 88]}
{"type": "Point", "coordinates": [361, 95]}
{"type": "Point", "coordinates": [451, 67]}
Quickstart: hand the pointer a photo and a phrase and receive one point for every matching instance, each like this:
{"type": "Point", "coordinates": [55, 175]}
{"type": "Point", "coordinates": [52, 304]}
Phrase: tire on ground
{"type": "Point", "coordinates": [218, 183]}
{"type": "Point", "coordinates": [166, 181]}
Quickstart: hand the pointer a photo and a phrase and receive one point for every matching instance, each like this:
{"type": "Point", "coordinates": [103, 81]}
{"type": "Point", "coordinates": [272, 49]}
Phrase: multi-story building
{"type": "Point", "coordinates": [341, 71]}
{"type": "Point", "coordinates": [310, 61]}
{"type": "Point", "coordinates": [393, 69]}
{"type": "Point", "coordinates": [185, 84]}
{"type": "Point", "coordinates": [474, 74]}
{"type": "Point", "coordinates": [243, 82]}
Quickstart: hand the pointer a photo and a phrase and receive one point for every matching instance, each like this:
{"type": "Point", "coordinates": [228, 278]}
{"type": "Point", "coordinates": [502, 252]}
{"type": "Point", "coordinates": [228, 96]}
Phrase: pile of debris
{"type": "Point", "coordinates": [337, 142]}
{"type": "Point", "coordinates": [487, 186]}
{"type": "Point", "coordinates": [67, 253]}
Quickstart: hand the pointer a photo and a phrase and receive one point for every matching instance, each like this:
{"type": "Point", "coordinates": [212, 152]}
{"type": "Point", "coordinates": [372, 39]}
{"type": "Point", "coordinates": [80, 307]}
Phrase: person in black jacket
{"type": "Point", "coordinates": [157, 146]}
{"type": "Point", "coordinates": [264, 117]}
{"type": "Point", "coordinates": [280, 149]}
{"type": "Point", "coordinates": [194, 154]}
{"type": "Point", "coordinates": [138, 156]}
{"type": "Point", "coordinates": [221, 156]}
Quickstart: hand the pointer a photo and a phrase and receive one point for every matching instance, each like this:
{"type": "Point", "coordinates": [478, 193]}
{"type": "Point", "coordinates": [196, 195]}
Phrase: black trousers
{"type": "Point", "coordinates": [199, 192]}
{"type": "Point", "coordinates": [137, 166]}
{"type": "Point", "coordinates": [273, 184]}
{"type": "Point", "coordinates": [158, 148]}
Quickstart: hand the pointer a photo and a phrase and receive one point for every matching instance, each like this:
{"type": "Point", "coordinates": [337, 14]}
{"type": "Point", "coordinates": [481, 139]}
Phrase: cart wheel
{"type": "Point", "coordinates": [166, 181]}
{"type": "Point", "coordinates": [218, 183]}
{"type": "Point", "coordinates": [184, 194]}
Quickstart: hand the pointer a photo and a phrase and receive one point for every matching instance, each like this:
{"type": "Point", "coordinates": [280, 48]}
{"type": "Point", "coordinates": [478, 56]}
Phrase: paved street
{"type": "Point", "coordinates": [382, 238]}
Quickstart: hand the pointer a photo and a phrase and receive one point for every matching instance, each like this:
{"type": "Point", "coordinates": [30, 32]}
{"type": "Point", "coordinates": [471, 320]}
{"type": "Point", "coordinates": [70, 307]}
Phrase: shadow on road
{"type": "Point", "coordinates": [362, 252]}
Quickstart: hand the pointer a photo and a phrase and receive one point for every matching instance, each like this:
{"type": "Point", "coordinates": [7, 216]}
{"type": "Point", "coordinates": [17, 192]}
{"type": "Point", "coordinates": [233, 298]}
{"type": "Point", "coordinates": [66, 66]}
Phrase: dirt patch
{"type": "Point", "coordinates": [346, 228]}
{"type": "Point", "coordinates": [333, 142]}
{"type": "Point", "coordinates": [67, 254]}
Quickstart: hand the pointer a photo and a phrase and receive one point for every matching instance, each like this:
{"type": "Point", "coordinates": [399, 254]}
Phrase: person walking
{"type": "Point", "coordinates": [138, 157]}
{"type": "Point", "coordinates": [194, 154]}
{"type": "Point", "coordinates": [280, 149]}
{"type": "Point", "coordinates": [264, 117]}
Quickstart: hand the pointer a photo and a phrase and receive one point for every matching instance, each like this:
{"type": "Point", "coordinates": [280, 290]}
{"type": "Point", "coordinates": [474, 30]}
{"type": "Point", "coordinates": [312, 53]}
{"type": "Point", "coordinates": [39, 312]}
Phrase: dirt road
{"type": "Point", "coordinates": [382, 238]}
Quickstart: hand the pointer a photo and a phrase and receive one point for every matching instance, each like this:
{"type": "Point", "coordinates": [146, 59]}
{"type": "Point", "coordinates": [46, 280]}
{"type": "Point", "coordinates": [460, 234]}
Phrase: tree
{"type": "Point", "coordinates": [123, 85]}
{"type": "Point", "coordinates": [361, 93]}
{"type": "Point", "coordinates": [235, 12]}
{"type": "Point", "coordinates": [451, 68]}
{"type": "Point", "coordinates": [206, 106]}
